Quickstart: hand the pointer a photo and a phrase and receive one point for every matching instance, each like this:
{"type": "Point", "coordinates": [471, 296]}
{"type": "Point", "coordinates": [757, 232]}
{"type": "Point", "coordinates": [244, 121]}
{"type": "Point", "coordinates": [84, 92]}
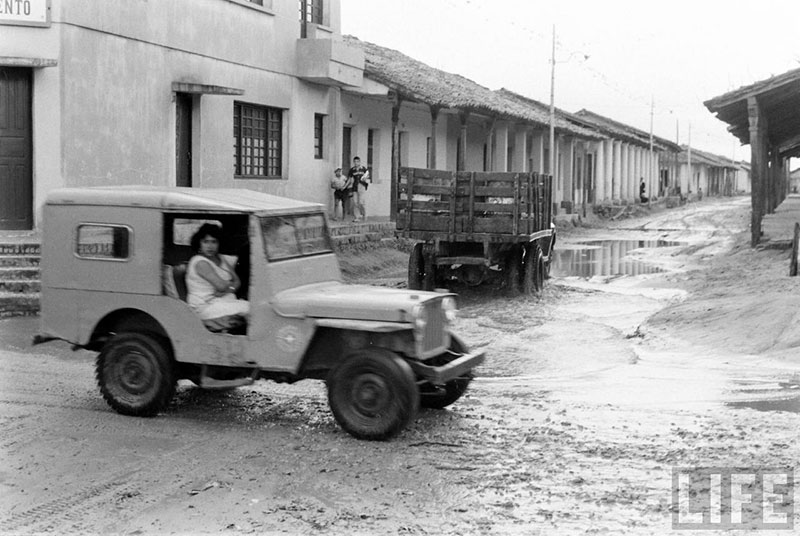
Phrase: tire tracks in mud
{"type": "Point", "coordinates": [64, 514]}
{"type": "Point", "coordinates": [70, 513]}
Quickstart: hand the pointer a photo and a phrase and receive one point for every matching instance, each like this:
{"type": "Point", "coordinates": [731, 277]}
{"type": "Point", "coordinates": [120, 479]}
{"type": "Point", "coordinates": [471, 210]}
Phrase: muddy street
{"type": "Point", "coordinates": [661, 341]}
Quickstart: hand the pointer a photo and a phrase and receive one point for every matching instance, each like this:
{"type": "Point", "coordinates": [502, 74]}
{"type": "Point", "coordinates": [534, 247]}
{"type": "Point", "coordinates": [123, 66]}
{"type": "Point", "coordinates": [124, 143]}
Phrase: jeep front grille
{"type": "Point", "coordinates": [434, 334]}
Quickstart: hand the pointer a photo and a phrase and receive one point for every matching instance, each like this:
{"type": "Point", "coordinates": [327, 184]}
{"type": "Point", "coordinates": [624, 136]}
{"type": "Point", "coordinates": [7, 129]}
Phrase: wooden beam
{"type": "Point", "coordinates": [790, 144]}
{"type": "Point", "coordinates": [758, 163]}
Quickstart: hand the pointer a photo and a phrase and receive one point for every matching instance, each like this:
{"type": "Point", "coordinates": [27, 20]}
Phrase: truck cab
{"type": "Point", "coordinates": [113, 263]}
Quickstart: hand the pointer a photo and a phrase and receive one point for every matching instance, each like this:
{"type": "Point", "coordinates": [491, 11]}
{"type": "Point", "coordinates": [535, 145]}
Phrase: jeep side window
{"type": "Point", "coordinates": [286, 237]}
{"type": "Point", "coordinates": [108, 242]}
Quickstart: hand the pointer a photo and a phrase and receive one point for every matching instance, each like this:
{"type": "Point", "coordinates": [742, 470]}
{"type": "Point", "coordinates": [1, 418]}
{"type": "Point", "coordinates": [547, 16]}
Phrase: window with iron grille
{"type": "Point", "coordinates": [311, 11]}
{"type": "Point", "coordinates": [257, 140]}
{"type": "Point", "coordinates": [318, 135]}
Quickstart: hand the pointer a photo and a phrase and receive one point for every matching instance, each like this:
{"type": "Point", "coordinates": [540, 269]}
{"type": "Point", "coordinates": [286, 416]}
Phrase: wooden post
{"type": "Point", "coordinates": [434, 122]}
{"type": "Point", "coordinates": [395, 158]}
{"type": "Point", "coordinates": [758, 150]}
{"type": "Point", "coordinates": [489, 138]}
{"type": "Point", "coordinates": [775, 179]}
{"type": "Point", "coordinates": [462, 153]}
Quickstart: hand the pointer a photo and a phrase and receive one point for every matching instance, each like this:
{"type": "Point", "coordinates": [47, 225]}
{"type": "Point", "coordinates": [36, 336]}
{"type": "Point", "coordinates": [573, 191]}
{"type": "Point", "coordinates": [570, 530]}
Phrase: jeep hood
{"type": "Point", "coordinates": [357, 302]}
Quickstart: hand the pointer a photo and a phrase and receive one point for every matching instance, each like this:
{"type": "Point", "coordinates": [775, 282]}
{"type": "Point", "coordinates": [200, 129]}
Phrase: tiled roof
{"type": "Point", "coordinates": [415, 81]}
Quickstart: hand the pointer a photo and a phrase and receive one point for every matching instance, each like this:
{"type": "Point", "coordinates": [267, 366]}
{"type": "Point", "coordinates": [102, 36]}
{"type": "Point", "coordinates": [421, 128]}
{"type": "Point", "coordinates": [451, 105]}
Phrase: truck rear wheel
{"type": "Point", "coordinates": [136, 375]}
{"type": "Point", "coordinates": [513, 271]}
{"type": "Point", "coordinates": [534, 270]}
{"type": "Point", "coordinates": [373, 394]}
{"type": "Point", "coordinates": [416, 267]}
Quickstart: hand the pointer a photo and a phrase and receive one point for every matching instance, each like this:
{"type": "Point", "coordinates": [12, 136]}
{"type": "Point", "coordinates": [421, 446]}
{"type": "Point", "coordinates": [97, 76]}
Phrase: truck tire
{"type": "Point", "coordinates": [534, 270]}
{"type": "Point", "coordinates": [373, 394]}
{"type": "Point", "coordinates": [513, 271]}
{"type": "Point", "coordinates": [439, 397]}
{"type": "Point", "coordinates": [429, 268]}
{"type": "Point", "coordinates": [136, 374]}
{"type": "Point", "coordinates": [529, 270]}
{"type": "Point", "coordinates": [416, 267]}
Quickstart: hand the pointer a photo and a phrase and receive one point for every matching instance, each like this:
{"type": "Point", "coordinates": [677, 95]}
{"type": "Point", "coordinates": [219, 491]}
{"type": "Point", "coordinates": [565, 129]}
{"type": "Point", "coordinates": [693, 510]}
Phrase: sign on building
{"type": "Point", "coordinates": [25, 12]}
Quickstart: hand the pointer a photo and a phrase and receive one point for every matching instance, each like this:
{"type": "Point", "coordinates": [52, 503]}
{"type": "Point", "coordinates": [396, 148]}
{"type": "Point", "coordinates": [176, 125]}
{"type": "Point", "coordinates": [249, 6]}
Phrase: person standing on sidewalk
{"type": "Point", "coordinates": [340, 193]}
{"type": "Point", "coordinates": [361, 180]}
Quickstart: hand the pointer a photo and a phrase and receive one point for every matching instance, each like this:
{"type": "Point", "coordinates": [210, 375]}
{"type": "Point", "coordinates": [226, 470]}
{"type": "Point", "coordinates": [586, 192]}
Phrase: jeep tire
{"type": "Point", "coordinates": [136, 374]}
{"type": "Point", "coordinates": [439, 397]}
{"type": "Point", "coordinates": [373, 394]}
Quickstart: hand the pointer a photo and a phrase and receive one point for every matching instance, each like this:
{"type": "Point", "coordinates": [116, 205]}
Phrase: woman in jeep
{"type": "Point", "coordinates": [211, 281]}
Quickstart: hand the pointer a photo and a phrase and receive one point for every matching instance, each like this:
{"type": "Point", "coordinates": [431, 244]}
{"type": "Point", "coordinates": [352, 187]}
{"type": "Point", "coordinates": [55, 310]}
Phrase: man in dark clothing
{"type": "Point", "coordinates": [643, 198]}
{"type": "Point", "coordinates": [361, 181]}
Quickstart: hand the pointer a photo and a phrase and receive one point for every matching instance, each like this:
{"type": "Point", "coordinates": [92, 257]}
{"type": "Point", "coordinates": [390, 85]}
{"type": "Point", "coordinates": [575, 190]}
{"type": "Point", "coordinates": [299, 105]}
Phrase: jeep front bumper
{"type": "Point", "coordinates": [439, 375]}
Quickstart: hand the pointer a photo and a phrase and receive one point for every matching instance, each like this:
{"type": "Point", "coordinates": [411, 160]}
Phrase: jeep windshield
{"type": "Point", "coordinates": [297, 235]}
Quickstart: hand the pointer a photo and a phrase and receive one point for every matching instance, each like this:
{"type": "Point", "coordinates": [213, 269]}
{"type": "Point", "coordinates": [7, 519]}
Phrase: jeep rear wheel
{"type": "Point", "coordinates": [373, 394]}
{"type": "Point", "coordinates": [136, 375]}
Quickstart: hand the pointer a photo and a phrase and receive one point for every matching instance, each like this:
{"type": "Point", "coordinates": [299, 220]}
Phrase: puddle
{"type": "Point", "coordinates": [791, 405]}
{"type": "Point", "coordinates": [782, 396]}
{"type": "Point", "coordinates": [605, 257]}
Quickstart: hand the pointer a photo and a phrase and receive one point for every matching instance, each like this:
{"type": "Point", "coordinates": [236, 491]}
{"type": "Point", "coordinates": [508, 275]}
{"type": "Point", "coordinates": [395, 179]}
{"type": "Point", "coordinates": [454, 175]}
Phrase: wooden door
{"type": "Point", "coordinates": [183, 139]}
{"type": "Point", "coordinates": [16, 153]}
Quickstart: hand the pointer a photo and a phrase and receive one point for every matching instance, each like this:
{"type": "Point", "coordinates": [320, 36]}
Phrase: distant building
{"type": "Point", "coordinates": [223, 93]}
{"type": "Point", "coordinates": [268, 95]}
{"type": "Point", "coordinates": [794, 181]}
{"type": "Point", "coordinates": [712, 174]}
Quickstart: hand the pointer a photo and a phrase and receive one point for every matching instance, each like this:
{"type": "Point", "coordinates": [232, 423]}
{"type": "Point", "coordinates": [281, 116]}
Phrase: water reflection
{"type": "Point", "coordinates": [791, 405]}
{"type": "Point", "coordinates": [605, 257]}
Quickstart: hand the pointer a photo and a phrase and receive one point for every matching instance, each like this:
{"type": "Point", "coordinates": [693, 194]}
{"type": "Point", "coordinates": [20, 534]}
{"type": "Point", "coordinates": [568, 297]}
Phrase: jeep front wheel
{"type": "Point", "coordinates": [135, 374]}
{"type": "Point", "coordinates": [441, 396]}
{"type": "Point", "coordinates": [373, 394]}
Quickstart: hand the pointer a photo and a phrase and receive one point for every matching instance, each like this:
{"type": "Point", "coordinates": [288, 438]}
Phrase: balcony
{"type": "Point", "coordinates": [324, 60]}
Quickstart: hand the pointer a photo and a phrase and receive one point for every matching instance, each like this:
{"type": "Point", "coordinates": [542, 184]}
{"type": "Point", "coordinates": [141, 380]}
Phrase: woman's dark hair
{"type": "Point", "coordinates": [207, 229]}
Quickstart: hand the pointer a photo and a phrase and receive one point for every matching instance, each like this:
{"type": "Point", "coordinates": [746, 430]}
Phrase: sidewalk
{"type": "Point", "coordinates": [777, 230]}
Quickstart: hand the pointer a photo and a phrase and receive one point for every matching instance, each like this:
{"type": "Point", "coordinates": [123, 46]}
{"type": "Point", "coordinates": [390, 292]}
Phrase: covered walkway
{"type": "Point", "coordinates": [765, 115]}
{"type": "Point", "coordinates": [778, 228]}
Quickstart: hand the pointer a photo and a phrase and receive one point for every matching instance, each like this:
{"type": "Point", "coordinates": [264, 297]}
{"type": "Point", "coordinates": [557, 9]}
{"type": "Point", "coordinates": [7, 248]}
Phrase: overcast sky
{"type": "Point", "coordinates": [613, 57]}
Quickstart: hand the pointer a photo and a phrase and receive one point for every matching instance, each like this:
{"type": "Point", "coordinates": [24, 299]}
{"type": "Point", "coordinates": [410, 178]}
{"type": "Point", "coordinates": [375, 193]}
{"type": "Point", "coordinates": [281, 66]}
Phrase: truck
{"type": "Point", "coordinates": [475, 227]}
{"type": "Point", "coordinates": [113, 281]}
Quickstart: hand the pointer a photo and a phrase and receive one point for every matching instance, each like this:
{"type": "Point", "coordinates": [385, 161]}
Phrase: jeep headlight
{"type": "Point", "coordinates": [450, 309]}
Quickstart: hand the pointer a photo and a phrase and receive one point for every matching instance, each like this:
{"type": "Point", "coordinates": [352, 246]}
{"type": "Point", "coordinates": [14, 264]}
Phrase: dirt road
{"type": "Point", "coordinates": [591, 395]}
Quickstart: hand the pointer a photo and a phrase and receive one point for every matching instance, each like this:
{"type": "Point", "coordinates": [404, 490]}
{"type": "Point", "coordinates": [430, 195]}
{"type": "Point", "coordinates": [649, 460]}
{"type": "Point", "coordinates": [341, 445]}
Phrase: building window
{"type": "Point", "coordinates": [318, 135]}
{"type": "Point", "coordinates": [257, 138]}
{"type": "Point", "coordinates": [257, 2]}
{"type": "Point", "coordinates": [310, 13]}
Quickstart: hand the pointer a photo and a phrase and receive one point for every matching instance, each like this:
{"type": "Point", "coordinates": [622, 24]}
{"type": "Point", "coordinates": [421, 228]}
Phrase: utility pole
{"type": "Point", "coordinates": [652, 163]}
{"type": "Point", "coordinates": [689, 158]}
{"type": "Point", "coordinates": [553, 110]}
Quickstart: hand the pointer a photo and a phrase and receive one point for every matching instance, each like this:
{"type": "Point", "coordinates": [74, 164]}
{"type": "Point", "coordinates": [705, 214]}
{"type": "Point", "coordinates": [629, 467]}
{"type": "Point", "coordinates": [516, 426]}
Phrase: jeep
{"type": "Point", "coordinates": [113, 263]}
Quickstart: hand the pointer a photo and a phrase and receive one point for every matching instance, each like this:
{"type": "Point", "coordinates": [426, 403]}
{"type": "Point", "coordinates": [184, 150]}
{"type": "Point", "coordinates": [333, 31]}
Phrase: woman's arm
{"type": "Point", "coordinates": [207, 272]}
